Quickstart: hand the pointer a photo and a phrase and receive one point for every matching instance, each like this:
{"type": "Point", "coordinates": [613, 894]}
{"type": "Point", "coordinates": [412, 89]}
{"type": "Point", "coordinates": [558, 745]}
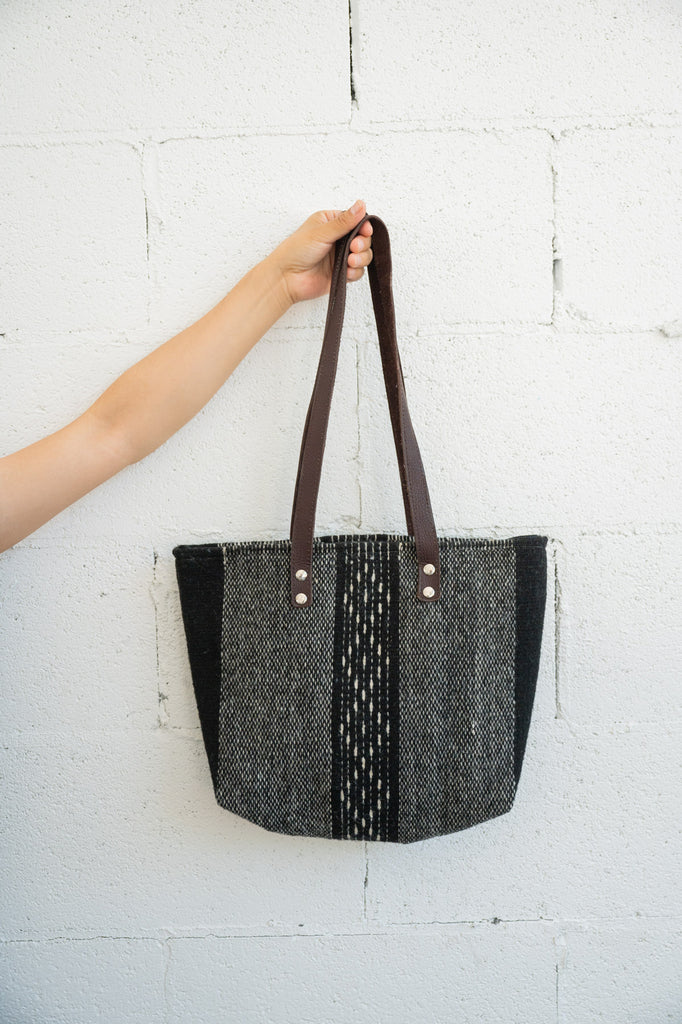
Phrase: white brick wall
{"type": "Point", "coordinates": [527, 159]}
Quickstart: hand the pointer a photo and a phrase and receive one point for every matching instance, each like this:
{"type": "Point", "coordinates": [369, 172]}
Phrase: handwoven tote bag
{"type": "Point", "coordinates": [364, 686]}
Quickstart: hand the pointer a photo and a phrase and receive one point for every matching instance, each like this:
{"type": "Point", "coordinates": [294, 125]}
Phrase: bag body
{"type": "Point", "coordinates": [364, 686]}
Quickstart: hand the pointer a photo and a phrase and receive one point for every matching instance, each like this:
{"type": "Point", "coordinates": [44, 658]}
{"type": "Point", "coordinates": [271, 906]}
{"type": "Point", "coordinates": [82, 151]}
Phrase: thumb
{"type": "Point", "coordinates": [338, 223]}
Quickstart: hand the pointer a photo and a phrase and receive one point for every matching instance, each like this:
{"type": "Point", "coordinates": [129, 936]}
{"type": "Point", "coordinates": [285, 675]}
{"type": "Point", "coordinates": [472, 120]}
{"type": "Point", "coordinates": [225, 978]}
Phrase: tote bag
{"type": "Point", "coordinates": [373, 686]}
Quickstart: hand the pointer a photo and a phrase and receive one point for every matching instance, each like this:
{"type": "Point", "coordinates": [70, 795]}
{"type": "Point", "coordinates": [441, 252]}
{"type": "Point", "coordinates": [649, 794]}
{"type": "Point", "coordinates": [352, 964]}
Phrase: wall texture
{"type": "Point", "coordinates": [527, 158]}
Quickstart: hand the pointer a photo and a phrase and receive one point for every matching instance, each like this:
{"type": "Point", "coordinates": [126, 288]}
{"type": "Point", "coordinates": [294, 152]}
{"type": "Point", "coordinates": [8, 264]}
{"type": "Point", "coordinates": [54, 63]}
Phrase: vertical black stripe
{"type": "Point", "coordinates": [531, 593]}
{"type": "Point", "coordinates": [377, 690]}
{"type": "Point", "coordinates": [383, 783]}
{"type": "Point", "coordinates": [393, 689]}
{"type": "Point", "coordinates": [200, 572]}
{"type": "Point", "coordinates": [364, 680]}
{"type": "Point", "coordinates": [352, 652]}
{"type": "Point", "coordinates": [365, 692]}
{"type": "Point", "coordinates": [338, 702]}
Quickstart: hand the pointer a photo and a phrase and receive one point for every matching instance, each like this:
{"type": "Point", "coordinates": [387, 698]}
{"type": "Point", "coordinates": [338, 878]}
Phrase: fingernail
{"type": "Point", "coordinates": [357, 206]}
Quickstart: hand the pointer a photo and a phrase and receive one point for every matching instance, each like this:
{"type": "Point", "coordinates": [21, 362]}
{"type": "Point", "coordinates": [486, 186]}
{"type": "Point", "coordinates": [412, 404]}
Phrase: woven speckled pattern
{"type": "Point", "coordinates": [275, 691]}
{"type": "Point", "coordinates": [457, 660]}
{"type": "Point", "coordinates": [368, 714]}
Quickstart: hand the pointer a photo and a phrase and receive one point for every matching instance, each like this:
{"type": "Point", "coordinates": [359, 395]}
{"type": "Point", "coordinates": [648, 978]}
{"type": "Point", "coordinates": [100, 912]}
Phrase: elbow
{"type": "Point", "coordinates": [113, 441]}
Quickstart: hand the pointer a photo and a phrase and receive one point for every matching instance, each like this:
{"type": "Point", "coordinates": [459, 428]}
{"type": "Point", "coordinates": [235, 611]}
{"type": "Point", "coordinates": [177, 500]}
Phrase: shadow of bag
{"type": "Point", "coordinates": [364, 686]}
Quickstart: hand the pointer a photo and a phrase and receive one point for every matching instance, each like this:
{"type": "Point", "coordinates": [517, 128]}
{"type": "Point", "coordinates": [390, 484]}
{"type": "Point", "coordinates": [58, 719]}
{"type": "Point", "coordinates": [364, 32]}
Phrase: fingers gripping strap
{"type": "Point", "coordinates": [418, 513]}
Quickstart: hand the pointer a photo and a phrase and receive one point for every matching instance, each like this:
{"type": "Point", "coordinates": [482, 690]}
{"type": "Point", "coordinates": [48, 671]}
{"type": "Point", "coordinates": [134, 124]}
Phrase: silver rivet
{"type": "Point", "coordinates": [301, 574]}
{"type": "Point", "coordinates": [428, 591]}
{"type": "Point", "coordinates": [301, 598]}
{"type": "Point", "coordinates": [429, 569]}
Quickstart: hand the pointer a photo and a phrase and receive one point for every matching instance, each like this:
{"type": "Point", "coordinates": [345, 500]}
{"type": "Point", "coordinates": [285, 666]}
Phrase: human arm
{"type": "Point", "coordinates": [158, 395]}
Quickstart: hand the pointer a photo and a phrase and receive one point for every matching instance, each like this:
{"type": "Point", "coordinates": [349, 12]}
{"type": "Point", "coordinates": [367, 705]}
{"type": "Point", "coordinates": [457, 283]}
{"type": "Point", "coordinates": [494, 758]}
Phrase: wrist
{"type": "Point", "coordinates": [276, 282]}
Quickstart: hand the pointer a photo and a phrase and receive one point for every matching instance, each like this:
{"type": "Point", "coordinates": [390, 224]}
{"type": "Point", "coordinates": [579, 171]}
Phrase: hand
{"type": "Point", "coordinates": [305, 258]}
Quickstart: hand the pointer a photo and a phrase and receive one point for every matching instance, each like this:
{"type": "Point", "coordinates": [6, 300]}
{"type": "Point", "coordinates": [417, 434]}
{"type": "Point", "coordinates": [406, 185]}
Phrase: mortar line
{"type": "Point", "coordinates": [148, 154]}
{"type": "Point", "coordinates": [590, 330]}
{"type": "Point", "coordinates": [167, 954]}
{"type": "Point", "coordinates": [160, 695]}
{"type": "Point", "coordinates": [353, 91]}
{"type": "Point", "coordinates": [668, 121]}
{"type": "Point", "coordinates": [556, 261]}
{"type": "Point", "coordinates": [385, 928]}
{"type": "Point", "coordinates": [146, 235]}
{"type": "Point", "coordinates": [558, 714]}
{"type": "Point", "coordinates": [365, 883]}
{"type": "Point", "coordinates": [146, 223]}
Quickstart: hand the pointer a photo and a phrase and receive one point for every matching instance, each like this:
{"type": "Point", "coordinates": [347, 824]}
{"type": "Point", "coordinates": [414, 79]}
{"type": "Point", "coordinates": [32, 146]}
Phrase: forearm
{"type": "Point", "coordinates": [141, 409]}
{"type": "Point", "coordinates": [157, 396]}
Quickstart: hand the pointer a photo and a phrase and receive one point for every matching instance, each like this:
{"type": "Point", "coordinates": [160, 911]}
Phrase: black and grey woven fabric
{"type": "Point", "coordinates": [376, 710]}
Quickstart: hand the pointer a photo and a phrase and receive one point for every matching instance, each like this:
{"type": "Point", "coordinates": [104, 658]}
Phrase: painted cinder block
{"type": "Point", "coordinates": [83, 981]}
{"type": "Point", "coordinates": [217, 208]}
{"type": "Point", "coordinates": [79, 638]}
{"type": "Point", "coordinates": [476, 973]}
{"type": "Point", "coordinates": [173, 67]}
{"type": "Point", "coordinates": [620, 971]}
{"type": "Point", "coordinates": [72, 220]}
{"type": "Point", "coordinates": [470, 221]}
{"type": "Point", "coordinates": [619, 229]}
{"type": "Point", "coordinates": [522, 61]}
{"type": "Point", "coordinates": [470, 224]}
{"type": "Point", "coordinates": [621, 630]}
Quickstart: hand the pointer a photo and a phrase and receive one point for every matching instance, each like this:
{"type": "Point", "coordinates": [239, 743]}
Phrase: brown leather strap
{"type": "Point", "coordinates": [391, 392]}
{"type": "Point", "coordinates": [418, 512]}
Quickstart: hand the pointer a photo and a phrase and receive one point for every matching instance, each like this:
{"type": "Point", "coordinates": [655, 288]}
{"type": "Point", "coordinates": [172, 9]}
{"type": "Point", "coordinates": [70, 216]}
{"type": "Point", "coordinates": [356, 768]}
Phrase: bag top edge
{"type": "Point", "coordinates": [210, 547]}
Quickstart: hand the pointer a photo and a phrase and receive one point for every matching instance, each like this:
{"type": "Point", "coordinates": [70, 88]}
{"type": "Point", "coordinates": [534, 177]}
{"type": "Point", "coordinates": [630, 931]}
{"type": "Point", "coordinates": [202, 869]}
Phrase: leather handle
{"type": "Point", "coordinates": [418, 513]}
{"type": "Point", "coordinates": [390, 391]}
